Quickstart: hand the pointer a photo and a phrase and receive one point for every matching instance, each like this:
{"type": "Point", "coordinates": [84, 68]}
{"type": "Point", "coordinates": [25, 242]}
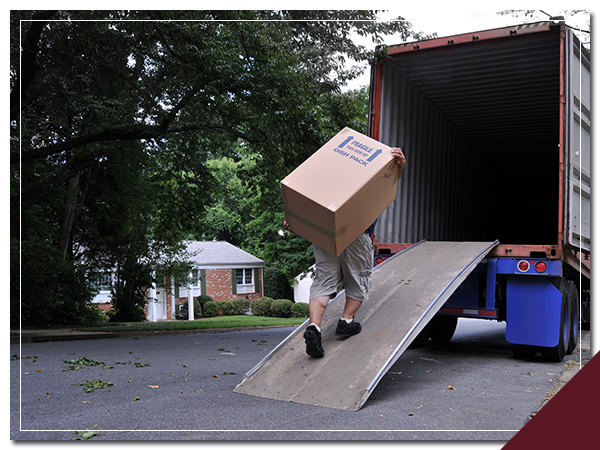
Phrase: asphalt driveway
{"type": "Point", "coordinates": [181, 388]}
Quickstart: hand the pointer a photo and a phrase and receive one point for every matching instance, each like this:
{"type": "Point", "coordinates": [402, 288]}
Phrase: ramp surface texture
{"type": "Point", "coordinates": [408, 290]}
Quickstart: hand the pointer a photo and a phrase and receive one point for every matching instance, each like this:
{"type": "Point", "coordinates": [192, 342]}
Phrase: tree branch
{"type": "Point", "coordinates": [28, 58]}
{"type": "Point", "coordinates": [41, 187]}
{"type": "Point", "coordinates": [134, 132]}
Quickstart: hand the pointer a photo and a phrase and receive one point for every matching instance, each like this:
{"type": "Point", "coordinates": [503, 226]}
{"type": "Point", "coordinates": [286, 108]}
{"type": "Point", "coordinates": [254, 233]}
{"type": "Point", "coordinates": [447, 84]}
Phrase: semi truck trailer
{"type": "Point", "coordinates": [496, 129]}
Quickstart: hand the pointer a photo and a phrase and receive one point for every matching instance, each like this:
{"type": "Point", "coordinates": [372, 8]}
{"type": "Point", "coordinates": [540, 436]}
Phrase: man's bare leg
{"type": "Point", "coordinates": [316, 309]}
{"type": "Point", "coordinates": [351, 308]}
{"type": "Point", "coordinates": [312, 334]}
{"type": "Point", "coordinates": [317, 306]}
{"type": "Point", "coordinates": [346, 325]}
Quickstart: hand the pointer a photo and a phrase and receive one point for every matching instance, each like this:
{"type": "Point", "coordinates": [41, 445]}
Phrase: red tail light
{"type": "Point", "coordinates": [523, 266]}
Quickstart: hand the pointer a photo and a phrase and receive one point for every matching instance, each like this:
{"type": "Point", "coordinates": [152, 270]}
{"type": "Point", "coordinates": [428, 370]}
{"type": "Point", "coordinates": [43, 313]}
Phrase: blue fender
{"type": "Point", "coordinates": [533, 308]}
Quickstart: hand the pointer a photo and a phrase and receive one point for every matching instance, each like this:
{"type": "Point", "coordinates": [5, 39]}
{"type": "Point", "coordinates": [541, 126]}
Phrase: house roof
{"type": "Point", "coordinates": [207, 254]}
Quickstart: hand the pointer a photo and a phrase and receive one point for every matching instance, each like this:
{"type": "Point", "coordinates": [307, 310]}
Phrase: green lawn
{"type": "Point", "coordinates": [198, 324]}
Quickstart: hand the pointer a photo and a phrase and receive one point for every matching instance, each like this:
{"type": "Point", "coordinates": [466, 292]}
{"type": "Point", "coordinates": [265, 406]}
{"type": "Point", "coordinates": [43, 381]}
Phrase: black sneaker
{"type": "Point", "coordinates": [312, 336]}
{"type": "Point", "coordinates": [348, 329]}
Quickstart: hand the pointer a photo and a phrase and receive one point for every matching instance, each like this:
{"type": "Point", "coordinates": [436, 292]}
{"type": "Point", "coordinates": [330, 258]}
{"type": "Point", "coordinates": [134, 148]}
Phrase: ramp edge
{"type": "Point", "coordinates": [420, 324]}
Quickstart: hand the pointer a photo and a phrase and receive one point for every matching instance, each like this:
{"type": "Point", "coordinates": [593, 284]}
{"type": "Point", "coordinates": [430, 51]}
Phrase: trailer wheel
{"type": "Point", "coordinates": [443, 328]}
{"type": "Point", "coordinates": [557, 353]}
{"type": "Point", "coordinates": [574, 319]}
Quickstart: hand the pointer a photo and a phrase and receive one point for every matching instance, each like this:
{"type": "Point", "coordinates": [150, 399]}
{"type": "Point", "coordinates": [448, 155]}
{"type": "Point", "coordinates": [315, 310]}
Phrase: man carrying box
{"type": "Point", "coordinates": [350, 270]}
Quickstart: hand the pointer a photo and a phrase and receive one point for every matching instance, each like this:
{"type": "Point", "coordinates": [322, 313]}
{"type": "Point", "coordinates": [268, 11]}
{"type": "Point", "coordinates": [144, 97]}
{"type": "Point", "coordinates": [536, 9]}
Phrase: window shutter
{"type": "Point", "coordinates": [203, 281]}
{"type": "Point", "coordinates": [257, 284]}
{"type": "Point", "coordinates": [233, 282]}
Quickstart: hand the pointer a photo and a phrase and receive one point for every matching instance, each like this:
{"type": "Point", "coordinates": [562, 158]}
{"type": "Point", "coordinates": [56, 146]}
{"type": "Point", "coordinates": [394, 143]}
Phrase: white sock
{"type": "Point", "coordinates": [316, 326]}
{"type": "Point", "coordinates": [348, 320]}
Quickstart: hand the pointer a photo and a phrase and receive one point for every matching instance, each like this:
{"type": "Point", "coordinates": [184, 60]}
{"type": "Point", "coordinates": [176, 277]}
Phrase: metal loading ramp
{"type": "Point", "coordinates": [408, 290]}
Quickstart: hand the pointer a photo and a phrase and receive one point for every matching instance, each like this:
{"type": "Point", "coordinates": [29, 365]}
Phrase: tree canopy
{"type": "Point", "coordinates": [115, 115]}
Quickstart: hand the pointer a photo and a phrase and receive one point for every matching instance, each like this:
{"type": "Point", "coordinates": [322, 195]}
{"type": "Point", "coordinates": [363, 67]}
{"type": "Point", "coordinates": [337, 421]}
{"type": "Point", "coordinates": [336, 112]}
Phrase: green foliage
{"type": "Point", "coordinates": [225, 219]}
{"type": "Point", "coordinates": [299, 309]}
{"type": "Point", "coordinates": [211, 309]}
{"type": "Point", "coordinates": [110, 159]}
{"type": "Point", "coordinates": [129, 289]}
{"type": "Point", "coordinates": [240, 306]}
{"type": "Point", "coordinates": [206, 323]}
{"type": "Point", "coordinates": [128, 313]}
{"type": "Point", "coordinates": [85, 435]}
{"type": "Point", "coordinates": [202, 299]}
{"type": "Point", "coordinates": [225, 307]}
{"type": "Point", "coordinates": [261, 306]}
{"type": "Point", "coordinates": [276, 284]}
{"type": "Point", "coordinates": [197, 308]}
{"type": "Point", "coordinates": [281, 308]}
{"type": "Point", "coordinates": [52, 291]}
{"type": "Point", "coordinates": [92, 385]}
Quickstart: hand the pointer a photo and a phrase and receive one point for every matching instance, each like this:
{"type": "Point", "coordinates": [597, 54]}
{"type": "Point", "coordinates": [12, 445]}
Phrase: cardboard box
{"type": "Point", "coordinates": [337, 193]}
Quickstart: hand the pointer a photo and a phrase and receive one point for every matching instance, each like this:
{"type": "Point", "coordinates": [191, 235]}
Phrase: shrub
{"type": "Point", "coordinates": [129, 313]}
{"type": "Point", "coordinates": [202, 299]}
{"type": "Point", "coordinates": [197, 309]}
{"type": "Point", "coordinates": [281, 308]}
{"type": "Point", "coordinates": [210, 309]}
{"type": "Point", "coordinates": [53, 291]}
{"type": "Point", "coordinates": [276, 284]}
{"type": "Point", "coordinates": [299, 310]}
{"type": "Point", "coordinates": [225, 307]}
{"type": "Point", "coordinates": [261, 306]}
{"type": "Point", "coordinates": [240, 306]}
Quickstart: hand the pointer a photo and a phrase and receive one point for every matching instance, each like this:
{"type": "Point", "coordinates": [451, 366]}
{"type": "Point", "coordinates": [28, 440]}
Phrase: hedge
{"type": "Point", "coordinates": [240, 306]}
{"type": "Point", "coordinates": [261, 306]}
{"type": "Point", "coordinates": [210, 309]}
{"type": "Point", "coordinates": [299, 310]}
{"type": "Point", "coordinates": [202, 299]}
{"type": "Point", "coordinates": [281, 308]}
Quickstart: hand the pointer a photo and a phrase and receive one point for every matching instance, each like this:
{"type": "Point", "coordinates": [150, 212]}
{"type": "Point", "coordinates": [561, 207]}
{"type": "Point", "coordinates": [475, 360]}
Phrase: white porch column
{"type": "Point", "coordinates": [190, 301]}
{"type": "Point", "coordinates": [151, 306]}
{"type": "Point", "coordinates": [172, 298]}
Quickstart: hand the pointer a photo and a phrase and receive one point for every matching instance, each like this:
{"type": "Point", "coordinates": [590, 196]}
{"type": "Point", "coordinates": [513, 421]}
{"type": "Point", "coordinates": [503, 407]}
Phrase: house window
{"type": "Point", "coordinates": [195, 278]}
{"type": "Point", "coordinates": [244, 280]}
{"type": "Point", "coordinates": [103, 281]}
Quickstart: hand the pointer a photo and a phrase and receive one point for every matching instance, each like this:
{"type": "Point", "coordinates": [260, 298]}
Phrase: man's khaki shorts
{"type": "Point", "coordinates": [351, 270]}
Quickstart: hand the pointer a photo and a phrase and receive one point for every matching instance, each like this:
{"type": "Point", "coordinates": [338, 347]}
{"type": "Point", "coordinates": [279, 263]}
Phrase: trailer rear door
{"type": "Point", "coordinates": [577, 157]}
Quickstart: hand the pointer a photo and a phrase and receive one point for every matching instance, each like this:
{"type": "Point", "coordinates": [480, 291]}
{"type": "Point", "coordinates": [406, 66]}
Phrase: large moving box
{"type": "Point", "coordinates": [337, 193]}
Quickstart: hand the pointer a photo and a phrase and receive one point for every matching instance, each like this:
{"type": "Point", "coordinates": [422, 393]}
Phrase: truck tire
{"type": "Point", "coordinates": [574, 320]}
{"type": "Point", "coordinates": [557, 353]}
{"type": "Point", "coordinates": [442, 328]}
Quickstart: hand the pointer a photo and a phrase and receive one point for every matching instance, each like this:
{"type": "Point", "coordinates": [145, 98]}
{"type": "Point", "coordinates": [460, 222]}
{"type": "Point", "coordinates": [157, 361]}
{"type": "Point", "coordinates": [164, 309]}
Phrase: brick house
{"type": "Point", "coordinates": [221, 270]}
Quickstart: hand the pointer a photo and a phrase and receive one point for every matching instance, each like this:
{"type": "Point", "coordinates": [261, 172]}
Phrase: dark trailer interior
{"type": "Point", "coordinates": [479, 124]}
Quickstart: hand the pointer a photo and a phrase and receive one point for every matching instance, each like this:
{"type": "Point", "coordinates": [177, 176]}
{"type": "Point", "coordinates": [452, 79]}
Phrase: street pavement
{"type": "Point", "coordinates": [180, 387]}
